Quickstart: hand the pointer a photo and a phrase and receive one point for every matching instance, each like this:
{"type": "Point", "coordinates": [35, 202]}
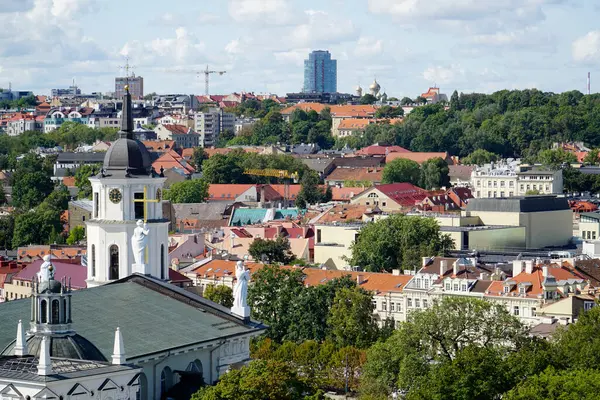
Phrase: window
{"type": "Point", "coordinates": [424, 303]}
{"type": "Point", "coordinates": [409, 302]}
{"type": "Point", "coordinates": [489, 194]}
{"type": "Point", "coordinates": [418, 283]}
{"type": "Point", "coordinates": [166, 380]}
{"type": "Point", "coordinates": [506, 289]}
{"type": "Point", "coordinates": [495, 183]}
{"type": "Point", "coordinates": [502, 183]}
{"type": "Point", "coordinates": [113, 252]}
{"type": "Point", "coordinates": [516, 310]}
{"type": "Point", "coordinates": [588, 305]}
{"type": "Point", "coordinates": [384, 305]}
{"type": "Point", "coordinates": [417, 303]}
{"type": "Point", "coordinates": [426, 283]}
{"type": "Point", "coordinates": [374, 305]}
{"type": "Point", "coordinates": [96, 205]}
{"type": "Point", "coordinates": [44, 312]}
{"type": "Point", "coordinates": [384, 204]}
{"type": "Point", "coordinates": [55, 312]}
{"type": "Point", "coordinates": [447, 286]}
{"type": "Point", "coordinates": [511, 183]}
{"type": "Point", "coordinates": [501, 194]}
{"type": "Point", "coordinates": [392, 307]}
{"type": "Point", "coordinates": [533, 311]}
{"type": "Point", "coordinates": [93, 263]}
{"type": "Point", "coordinates": [478, 183]}
{"type": "Point", "coordinates": [138, 206]}
{"type": "Point", "coordinates": [455, 287]}
{"type": "Point", "coordinates": [318, 236]}
{"type": "Point", "coordinates": [463, 287]}
{"type": "Point", "coordinates": [510, 194]}
{"type": "Point", "coordinates": [522, 187]}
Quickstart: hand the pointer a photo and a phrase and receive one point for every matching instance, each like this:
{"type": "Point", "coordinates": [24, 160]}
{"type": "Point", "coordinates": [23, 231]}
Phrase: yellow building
{"type": "Point", "coordinates": [589, 226]}
{"type": "Point", "coordinates": [332, 244]}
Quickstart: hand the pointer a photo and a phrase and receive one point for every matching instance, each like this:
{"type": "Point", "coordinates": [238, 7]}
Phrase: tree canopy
{"type": "Point", "coordinates": [271, 251]}
{"type": "Point", "coordinates": [220, 294]}
{"type": "Point", "coordinates": [402, 170]}
{"type": "Point", "coordinates": [398, 241]}
{"type": "Point", "coordinates": [188, 191]}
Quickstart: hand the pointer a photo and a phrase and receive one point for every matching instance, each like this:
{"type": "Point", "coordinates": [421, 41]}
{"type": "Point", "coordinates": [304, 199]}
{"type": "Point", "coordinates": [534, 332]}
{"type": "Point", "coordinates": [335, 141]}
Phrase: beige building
{"type": "Point", "coordinates": [548, 220]}
{"type": "Point", "coordinates": [332, 244]}
{"type": "Point", "coordinates": [589, 226]}
{"type": "Point", "coordinates": [507, 179]}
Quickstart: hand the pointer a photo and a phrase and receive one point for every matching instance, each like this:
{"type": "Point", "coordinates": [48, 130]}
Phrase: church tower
{"type": "Point", "coordinates": [126, 191]}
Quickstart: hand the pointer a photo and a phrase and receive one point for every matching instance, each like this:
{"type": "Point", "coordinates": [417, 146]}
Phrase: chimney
{"type": "Point", "coordinates": [45, 363]}
{"type": "Point", "coordinates": [21, 344]}
{"type": "Point", "coordinates": [359, 279]}
{"type": "Point", "coordinates": [484, 276]}
{"type": "Point", "coordinates": [118, 357]}
{"type": "Point", "coordinates": [545, 271]}
{"type": "Point", "coordinates": [455, 268]}
{"type": "Point", "coordinates": [396, 272]}
{"type": "Point", "coordinates": [529, 266]}
{"type": "Point", "coordinates": [424, 261]}
{"type": "Point", "coordinates": [443, 267]}
{"type": "Point", "coordinates": [518, 267]}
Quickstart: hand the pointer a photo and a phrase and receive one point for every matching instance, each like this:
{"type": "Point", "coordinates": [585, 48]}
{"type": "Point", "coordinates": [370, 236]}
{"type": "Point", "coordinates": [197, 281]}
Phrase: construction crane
{"type": "Point", "coordinates": [207, 74]}
{"type": "Point", "coordinates": [282, 174]}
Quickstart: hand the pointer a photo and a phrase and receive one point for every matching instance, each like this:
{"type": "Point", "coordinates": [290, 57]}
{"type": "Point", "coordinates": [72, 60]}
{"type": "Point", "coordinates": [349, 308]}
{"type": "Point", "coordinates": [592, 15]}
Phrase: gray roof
{"type": "Point", "coordinates": [74, 347]}
{"type": "Point", "coordinates": [81, 157]}
{"type": "Point", "coordinates": [317, 164]}
{"type": "Point", "coordinates": [153, 316]}
{"type": "Point", "coordinates": [204, 211]}
{"type": "Point", "coordinates": [25, 369]}
{"type": "Point", "coordinates": [519, 204]}
{"type": "Point", "coordinates": [87, 205]}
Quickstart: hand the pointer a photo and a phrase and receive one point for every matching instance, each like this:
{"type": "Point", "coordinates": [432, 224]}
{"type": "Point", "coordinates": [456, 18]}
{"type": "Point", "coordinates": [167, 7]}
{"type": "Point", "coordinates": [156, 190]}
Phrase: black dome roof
{"type": "Point", "coordinates": [50, 286]}
{"type": "Point", "coordinates": [128, 155]}
{"type": "Point", "coordinates": [69, 346]}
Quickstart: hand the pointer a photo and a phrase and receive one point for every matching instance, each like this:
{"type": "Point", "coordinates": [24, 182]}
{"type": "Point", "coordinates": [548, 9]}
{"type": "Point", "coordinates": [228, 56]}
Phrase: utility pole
{"type": "Point", "coordinates": [207, 72]}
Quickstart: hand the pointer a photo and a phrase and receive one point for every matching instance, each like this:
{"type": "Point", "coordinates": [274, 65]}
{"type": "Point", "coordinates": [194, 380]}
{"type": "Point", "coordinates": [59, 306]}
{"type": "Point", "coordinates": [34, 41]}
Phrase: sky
{"type": "Point", "coordinates": [407, 45]}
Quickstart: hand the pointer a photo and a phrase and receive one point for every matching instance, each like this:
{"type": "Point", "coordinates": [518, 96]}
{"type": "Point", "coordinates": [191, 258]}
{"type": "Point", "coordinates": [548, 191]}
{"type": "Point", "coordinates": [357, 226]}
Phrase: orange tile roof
{"type": "Point", "coordinates": [336, 110]}
{"type": "Point", "coordinates": [354, 124]}
{"type": "Point", "coordinates": [345, 193]}
{"type": "Point", "coordinates": [371, 281]}
{"type": "Point", "coordinates": [377, 150]}
{"type": "Point", "coordinates": [343, 213]}
{"type": "Point", "coordinates": [69, 181]}
{"type": "Point", "coordinates": [432, 92]}
{"type": "Point", "coordinates": [294, 190]}
{"type": "Point", "coordinates": [318, 107]}
{"type": "Point", "coordinates": [226, 191]}
{"type": "Point", "coordinates": [356, 174]}
{"type": "Point", "coordinates": [169, 160]}
{"type": "Point", "coordinates": [536, 278]}
{"type": "Point", "coordinates": [187, 152]}
{"type": "Point", "coordinates": [416, 156]}
{"type": "Point", "coordinates": [212, 151]}
{"type": "Point", "coordinates": [178, 129]}
{"type": "Point", "coordinates": [38, 252]}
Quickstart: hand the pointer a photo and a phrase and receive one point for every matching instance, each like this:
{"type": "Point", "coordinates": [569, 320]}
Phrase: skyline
{"type": "Point", "coordinates": [467, 45]}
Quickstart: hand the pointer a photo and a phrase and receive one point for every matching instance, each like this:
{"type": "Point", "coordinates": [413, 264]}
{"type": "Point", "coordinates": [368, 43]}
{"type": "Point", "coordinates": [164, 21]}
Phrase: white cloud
{"type": "Point", "coordinates": [10, 6]}
{"type": "Point", "coordinates": [587, 48]}
{"type": "Point", "coordinates": [469, 16]}
{"type": "Point", "coordinates": [233, 47]}
{"type": "Point", "coordinates": [208, 18]}
{"type": "Point", "coordinates": [322, 28]}
{"type": "Point", "coordinates": [265, 11]}
{"type": "Point", "coordinates": [183, 48]}
{"type": "Point", "coordinates": [294, 57]}
{"type": "Point", "coordinates": [368, 47]}
{"type": "Point", "coordinates": [444, 75]}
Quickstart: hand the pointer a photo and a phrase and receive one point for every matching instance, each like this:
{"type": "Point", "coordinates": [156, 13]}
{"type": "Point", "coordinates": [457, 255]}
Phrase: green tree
{"type": "Point", "coordinates": [58, 200]}
{"type": "Point", "coordinates": [532, 192]}
{"type": "Point", "coordinates": [401, 170]}
{"type": "Point", "coordinates": [7, 227]}
{"type": "Point", "coordinates": [272, 296]}
{"type": "Point", "coordinates": [434, 174]}
{"type": "Point", "coordinates": [555, 158]}
{"type": "Point", "coordinates": [39, 226]}
{"type": "Point", "coordinates": [188, 191]}
{"type": "Point", "coordinates": [82, 180]}
{"type": "Point", "coordinates": [367, 99]}
{"type": "Point", "coordinates": [351, 320]}
{"type": "Point", "coordinates": [198, 158]}
{"type": "Point", "coordinates": [454, 102]}
{"type": "Point", "coordinates": [592, 157]}
{"type": "Point", "coordinates": [271, 251]}
{"type": "Point", "coordinates": [31, 182]}
{"type": "Point", "coordinates": [259, 380]}
{"type": "Point", "coordinates": [76, 235]}
{"type": "Point", "coordinates": [420, 100]}
{"type": "Point", "coordinates": [389, 112]}
{"type": "Point", "coordinates": [581, 384]}
{"type": "Point", "coordinates": [579, 347]}
{"type": "Point", "coordinates": [398, 241]}
{"type": "Point", "coordinates": [3, 199]}
{"type": "Point", "coordinates": [220, 294]}
{"type": "Point", "coordinates": [480, 157]}
{"type": "Point", "coordinates": [310, 192]}
{"type": "Point", "coordinates": [224, 138]}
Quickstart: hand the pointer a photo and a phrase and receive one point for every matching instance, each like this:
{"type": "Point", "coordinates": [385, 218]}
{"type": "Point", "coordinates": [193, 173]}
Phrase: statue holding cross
{"type": "Point", "coordinates": [139, 239]}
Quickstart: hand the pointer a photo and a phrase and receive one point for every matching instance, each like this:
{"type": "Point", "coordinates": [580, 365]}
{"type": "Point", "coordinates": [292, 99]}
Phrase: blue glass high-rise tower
{"type": "Point", "coordinates": [320, 73]}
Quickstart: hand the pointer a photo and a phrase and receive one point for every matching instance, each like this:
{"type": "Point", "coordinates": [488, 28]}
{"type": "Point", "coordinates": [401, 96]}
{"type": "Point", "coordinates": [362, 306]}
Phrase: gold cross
{"type": "Point", "coordinates": [146, 200]}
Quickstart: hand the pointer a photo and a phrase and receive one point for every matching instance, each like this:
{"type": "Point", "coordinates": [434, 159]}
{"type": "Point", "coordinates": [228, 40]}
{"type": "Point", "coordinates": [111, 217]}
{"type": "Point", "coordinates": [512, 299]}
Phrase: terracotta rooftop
{"type": "Point", "coordinates": [377, 150]}
{"type": "Point", "coordinates": [405, 194]}
{"type": "Point", "coordinates": [356, 174]}
{"type": "Point", "coordinates": [354, 124]}
{"type": "Point", "coordinates": [417, 157]}
{"type": "Point", "coordinates": [178, 129]}
{"type": "Point", "coordinates": [218, 192]}
{"type": "Point", "coordinates": [344, 213]}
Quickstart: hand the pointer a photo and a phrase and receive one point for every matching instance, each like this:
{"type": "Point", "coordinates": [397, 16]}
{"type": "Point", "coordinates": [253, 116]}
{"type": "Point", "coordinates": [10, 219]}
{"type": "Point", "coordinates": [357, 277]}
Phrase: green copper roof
{"type": "Point", "coordinates": [153, 316]}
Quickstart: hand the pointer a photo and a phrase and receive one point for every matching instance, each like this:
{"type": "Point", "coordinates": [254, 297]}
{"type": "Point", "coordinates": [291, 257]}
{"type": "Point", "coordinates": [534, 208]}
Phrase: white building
{"type": "Point", "coordinates": [509, 178]}
{"type": "Point", "coordinates": [211, 124]}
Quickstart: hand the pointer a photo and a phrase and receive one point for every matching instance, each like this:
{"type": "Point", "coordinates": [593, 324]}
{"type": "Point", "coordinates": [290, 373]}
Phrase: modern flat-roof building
{"type": "Point", "coordinates": [136, 87]}
{"type": "Point", "coordinates": [320, 73]}
{"type": "Point", "coordinates": [510, 178]}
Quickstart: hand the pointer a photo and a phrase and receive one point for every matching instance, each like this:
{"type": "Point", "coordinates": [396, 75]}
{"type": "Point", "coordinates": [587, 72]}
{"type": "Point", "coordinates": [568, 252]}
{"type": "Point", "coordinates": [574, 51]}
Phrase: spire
{"type": "Point", "coordinates": [126, 116]}
{"type": "Point", "coordinates": [45, 363]}
{"type": "Point", "coordinates": [21, 344]}
{"type": "Point", "coordinates": [118, 357]}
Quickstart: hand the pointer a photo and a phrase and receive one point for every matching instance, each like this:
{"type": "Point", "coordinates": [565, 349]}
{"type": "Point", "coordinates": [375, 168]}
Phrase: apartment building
{"type": "Point", "coordinates": [211, 124]}
{"type": "Point", "coordinates": [509, 178]}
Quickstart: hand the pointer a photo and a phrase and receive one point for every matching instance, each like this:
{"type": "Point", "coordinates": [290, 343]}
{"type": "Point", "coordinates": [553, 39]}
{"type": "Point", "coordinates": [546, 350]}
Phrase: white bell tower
{"type": "Point", "coordinates": [126, 190]}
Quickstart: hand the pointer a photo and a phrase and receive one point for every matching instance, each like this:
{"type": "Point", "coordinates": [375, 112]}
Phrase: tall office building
{"type": "Point", "coordinates": [136, 87]}
{"type": "Point", "coordinates": [320, 73]}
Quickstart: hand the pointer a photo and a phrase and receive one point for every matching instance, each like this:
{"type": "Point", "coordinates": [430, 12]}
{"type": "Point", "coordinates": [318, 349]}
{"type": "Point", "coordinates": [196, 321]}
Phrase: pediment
{"type": "Point", "coordinates": [46, 394]}
{"type": "Point", "coordinates": [78, 389]}
{"type": "Point", "coordinates": [11, 390]}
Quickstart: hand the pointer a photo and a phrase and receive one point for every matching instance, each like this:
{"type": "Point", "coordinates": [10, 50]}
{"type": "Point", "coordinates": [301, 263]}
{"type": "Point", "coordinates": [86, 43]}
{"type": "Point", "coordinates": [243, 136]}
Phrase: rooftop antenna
{"type": "Point", "coordinates": [127, 67]}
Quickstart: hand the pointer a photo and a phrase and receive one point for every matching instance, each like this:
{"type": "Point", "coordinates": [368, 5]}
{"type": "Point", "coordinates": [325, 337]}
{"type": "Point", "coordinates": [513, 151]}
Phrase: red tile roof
{"type": "Point", "coordinates": [354, 124]}
{"type": "Point", "coordinates": [418, 157]}
{"type": "Point", "coordinates": [356, 174]}
{"type": "Point", "coordinates": [377, 150]}
{"type": "Point", "coordinates": [171, 160]}
{"type": "Point", "coordinates": [405, 194]}
{"type": "Point", "coordinates": [343, 213]}
{"type": "Point", "coordinates": [63, 269]}
{"type": "Point", "coordinates": [218, 192]}
{"type": "Point", "coordinates": [159, 145]}
{"type": "Point", "coordinates": [345, 193]}
{"type": "Point", "coordinates": [178, 129]}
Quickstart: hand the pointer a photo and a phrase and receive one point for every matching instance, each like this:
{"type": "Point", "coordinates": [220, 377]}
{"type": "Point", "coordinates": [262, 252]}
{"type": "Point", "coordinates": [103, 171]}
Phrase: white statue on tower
{"type": "Point", "coordinates": [240, 291]}
{"type": "Point", "coordinates": [139, 241]}
{"type": "Point", "coordinates": [46, 270]}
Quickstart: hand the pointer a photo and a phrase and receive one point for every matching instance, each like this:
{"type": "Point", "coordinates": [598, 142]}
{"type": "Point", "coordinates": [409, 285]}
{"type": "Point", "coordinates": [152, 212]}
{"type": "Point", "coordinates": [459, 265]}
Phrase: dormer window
{"type": "Point", "coordinates": [522, 290]}
{"type": "Point", "coordinates": [506, 289]}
